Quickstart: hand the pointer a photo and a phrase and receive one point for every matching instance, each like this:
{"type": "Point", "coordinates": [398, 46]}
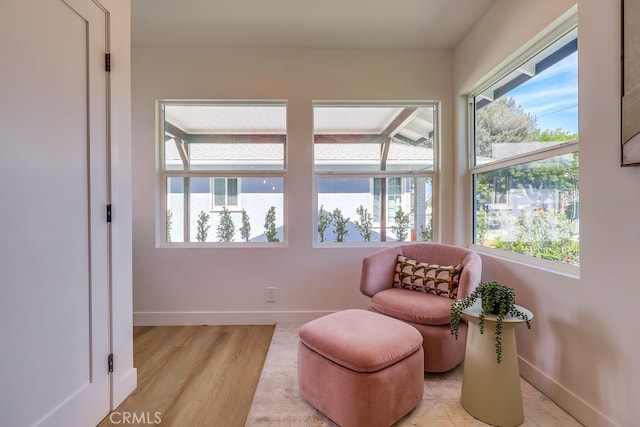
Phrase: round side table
{"type": "Point", "coordinates": [491, 390]}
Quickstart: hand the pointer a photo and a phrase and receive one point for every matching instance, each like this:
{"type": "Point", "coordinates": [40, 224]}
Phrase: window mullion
{"type": "Point", "coordinates": [555, 150]}
{"type": "Point", "coordinates": [187, 208]}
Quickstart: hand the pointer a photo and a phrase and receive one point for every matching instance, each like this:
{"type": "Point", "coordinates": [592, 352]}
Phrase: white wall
{"type": "Point", "coordinates": [226, 285]}
{"type": "Point", "coordinates": [582, 349]}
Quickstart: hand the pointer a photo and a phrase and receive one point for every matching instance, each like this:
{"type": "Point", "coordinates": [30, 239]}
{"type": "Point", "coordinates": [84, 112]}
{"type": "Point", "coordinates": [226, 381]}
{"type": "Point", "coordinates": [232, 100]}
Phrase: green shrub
{"type": "Point", "coordinates": [426, 230]}
{"type": "Point", "coordinates": [169, 225]}
{"type": "Point", "coordinates": [270, 231]}
{"type": "Point", "coordinates": [245, 230]}
{"type": "Point", "coordinates": [226, 228]}
{"type": "Point", "coordinates": [364, 223]}
{"type": "Point", "coordinates": [340, 225]}
{"type": "Point", "coordinates": [543, 234]}
{"type": "Point", "coordinates": [324, 220]}
{"type": "Point", "coordinates": [401, 226]}
{"type": "Point", "coordinates": [203, 227]}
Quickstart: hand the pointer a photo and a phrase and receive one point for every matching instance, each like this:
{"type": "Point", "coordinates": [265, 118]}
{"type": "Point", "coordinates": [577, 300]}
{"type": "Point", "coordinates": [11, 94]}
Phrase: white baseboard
{"type": "Point", "coordinates": [564, 398]}
{"type": "Point", "coordinates": [123, 386]}
{"type": "Point", "coordinates": [174, 318]}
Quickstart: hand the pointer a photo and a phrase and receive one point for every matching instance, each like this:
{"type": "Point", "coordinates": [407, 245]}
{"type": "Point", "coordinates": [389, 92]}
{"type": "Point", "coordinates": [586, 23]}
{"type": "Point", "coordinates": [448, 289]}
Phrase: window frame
{"type": "Point", "coordinates": [430, 175]}
{"type": "Point", "coordinates": [163, 174]}
{"type": "Point", "coordinates": [565, 26]}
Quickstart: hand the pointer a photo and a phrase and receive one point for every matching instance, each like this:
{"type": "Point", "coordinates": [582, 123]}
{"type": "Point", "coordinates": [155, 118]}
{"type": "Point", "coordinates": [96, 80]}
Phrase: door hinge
{"type": "Point", "coordinates": [107, 62]}
{"type": "Point", "coordinates": [110, 363]}
{"type": "Point", "coordinates": [109, 212]}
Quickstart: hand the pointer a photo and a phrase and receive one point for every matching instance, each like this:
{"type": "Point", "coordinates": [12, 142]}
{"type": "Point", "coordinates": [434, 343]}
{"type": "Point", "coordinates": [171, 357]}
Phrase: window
{"type": "Point", "coordinates": [525, 145]}
{"type": "Point", "coordinates": [222, 171]}
{"type": "Point", "coordinates": [225, 193]}
{"type": "Point", "coordinates": [374, 168]}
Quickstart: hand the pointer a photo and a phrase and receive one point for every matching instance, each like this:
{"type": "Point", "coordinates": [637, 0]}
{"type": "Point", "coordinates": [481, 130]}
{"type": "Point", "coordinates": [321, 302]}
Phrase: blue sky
{"type": "Point", "coordinates": [552, 96]}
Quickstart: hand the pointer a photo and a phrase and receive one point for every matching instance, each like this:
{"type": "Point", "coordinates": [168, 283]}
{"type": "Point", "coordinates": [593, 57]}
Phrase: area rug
{"type": "Point", "coordinates": [277, 402]}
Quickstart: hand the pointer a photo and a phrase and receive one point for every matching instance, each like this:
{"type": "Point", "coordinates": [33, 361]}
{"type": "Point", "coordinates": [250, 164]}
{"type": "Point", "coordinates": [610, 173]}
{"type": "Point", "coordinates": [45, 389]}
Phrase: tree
{"type": "Point", "coordinates": [226, 228]}
{"type": "Point", "coordinates": [426, 230]}
{"type": "Point", "coordinates": [340, 225]}
{"type": "Point", "coordinates": [270, 231]}
{"type": "Point", "coordinates": [482, 226]}
{"type": "Point", "coordinates": [401, 226]}
{"type": "Point", "coordinates": [324, 220]}
{"type": "Point", "coordinates": [364, 224]}
{"type": "Point", "coordinates": [245, 230]}
{"type": "Point", "coordinates": [501, 121]}
{"type": "Point", "coordinates": [553, 135]}
{"type": "Point", "coordinates": [203, 227]}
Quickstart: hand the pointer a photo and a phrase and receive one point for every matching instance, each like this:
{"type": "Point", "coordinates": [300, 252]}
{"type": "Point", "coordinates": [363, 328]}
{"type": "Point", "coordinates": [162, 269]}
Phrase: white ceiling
{"type": "Point", "coordinates": [333, 24]}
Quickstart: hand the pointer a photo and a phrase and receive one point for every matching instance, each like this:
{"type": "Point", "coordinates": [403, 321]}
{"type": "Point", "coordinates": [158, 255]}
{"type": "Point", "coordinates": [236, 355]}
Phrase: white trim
{"type": "Point", "coordinates": [398, 103]}
{"type": "Point", "coordinates": [224, 102]}
{"type": "Point", "coordinates": [575, 406]}
{"type": "Point", "coordinates": [554, 150]}
{"type": "Point", "coordinates": [374, 174]}
{"type": "Point", "coordinates": [185, 318]}
{"type": "Point", "coordinates": [122, 385]}
{"type": "Point", "coordinates": [232, 173]}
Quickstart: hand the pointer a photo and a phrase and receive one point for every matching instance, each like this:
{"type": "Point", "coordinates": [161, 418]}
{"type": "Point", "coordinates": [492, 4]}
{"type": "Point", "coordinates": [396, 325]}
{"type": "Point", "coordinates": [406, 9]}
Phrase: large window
{"type": "Point", "coordinates": [374, 168]}
{"type": "Point", "coordinates": [222, 167]}
{"type": "Point", "coordinates": [525, 172]}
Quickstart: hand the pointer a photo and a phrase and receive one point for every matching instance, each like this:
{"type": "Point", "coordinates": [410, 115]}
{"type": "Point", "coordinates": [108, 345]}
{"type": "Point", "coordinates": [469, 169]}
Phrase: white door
{"type": "Point", "coordinates": [54, 284]}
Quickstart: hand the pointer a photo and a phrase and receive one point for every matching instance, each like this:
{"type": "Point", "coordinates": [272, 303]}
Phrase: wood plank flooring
{"type": "Point", "coordinates": [194, 375]}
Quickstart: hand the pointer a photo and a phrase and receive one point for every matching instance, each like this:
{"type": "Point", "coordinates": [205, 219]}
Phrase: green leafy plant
{"type": "Point", "coordinates": [426, 230]}
{"type": "Point", "coordinates": [364, 223]}
{"type": "Point", "coordinates": [226, 229]}
{"type": "Point", "coordinates": [340, 225]}
{"type": "Point", "coordinates": [401, 226]}
{"type": "Point", "coordinates": [270, 231]}
{"type": "Point", "coordinates": [324, 220]}
{"type": "Point", "coordinates": [245, 230]}
{"type": "Point", "coordinates": [495, 299]}
{"type": "Point", "coordinates": [203, 227]}
{"type": "Point", "coordinates": [543, 234]}
{"type": "Point", "coordinates": [482, 226]}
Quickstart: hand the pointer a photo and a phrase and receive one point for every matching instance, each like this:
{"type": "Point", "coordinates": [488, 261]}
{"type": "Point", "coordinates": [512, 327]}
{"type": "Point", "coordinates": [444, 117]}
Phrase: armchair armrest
{"type": "Point", "coordinates": [471, 274]}
{"type": "Point", "coordinates": [377, 271]}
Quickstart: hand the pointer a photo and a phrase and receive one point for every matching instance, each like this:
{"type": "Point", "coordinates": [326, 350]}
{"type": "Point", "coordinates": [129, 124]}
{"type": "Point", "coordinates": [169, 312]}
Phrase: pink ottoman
{"type": "Point", "coordinates": [359, 368]}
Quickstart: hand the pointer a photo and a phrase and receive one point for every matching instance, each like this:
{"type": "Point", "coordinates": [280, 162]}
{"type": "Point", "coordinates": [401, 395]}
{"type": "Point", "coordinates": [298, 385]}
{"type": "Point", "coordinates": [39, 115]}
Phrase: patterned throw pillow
{"type": "Point", "coordinates": [429, 278]}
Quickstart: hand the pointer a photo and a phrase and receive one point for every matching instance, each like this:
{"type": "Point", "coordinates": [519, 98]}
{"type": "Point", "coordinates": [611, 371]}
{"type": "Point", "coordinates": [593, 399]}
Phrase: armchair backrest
{"type": "Point", "coordinates": [378, 268]}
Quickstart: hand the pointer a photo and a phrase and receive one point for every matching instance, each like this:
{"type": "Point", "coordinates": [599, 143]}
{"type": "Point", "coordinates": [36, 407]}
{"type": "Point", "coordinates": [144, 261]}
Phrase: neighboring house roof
{"type": "Point", "coordinates": [325, 154]}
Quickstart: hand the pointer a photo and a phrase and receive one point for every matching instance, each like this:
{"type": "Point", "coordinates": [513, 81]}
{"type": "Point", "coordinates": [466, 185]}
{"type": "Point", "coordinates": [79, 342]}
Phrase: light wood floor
{"type": "Point", "coordinates": [194, 375]}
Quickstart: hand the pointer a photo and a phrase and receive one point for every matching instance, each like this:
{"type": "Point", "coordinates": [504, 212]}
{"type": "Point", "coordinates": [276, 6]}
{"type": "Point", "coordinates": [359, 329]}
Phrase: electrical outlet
{"type": "Point", "coordinates": [271, 294]}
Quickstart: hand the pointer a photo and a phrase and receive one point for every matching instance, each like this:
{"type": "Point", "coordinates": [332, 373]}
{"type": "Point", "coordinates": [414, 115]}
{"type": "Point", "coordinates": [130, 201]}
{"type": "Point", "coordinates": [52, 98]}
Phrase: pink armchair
{"type": "Point", "coordinates": [427, 312]}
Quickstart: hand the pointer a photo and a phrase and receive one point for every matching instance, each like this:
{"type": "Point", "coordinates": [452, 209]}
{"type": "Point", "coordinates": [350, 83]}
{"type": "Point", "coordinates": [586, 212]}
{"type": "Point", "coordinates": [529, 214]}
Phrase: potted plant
{"type": "Point", "coordinates": [495, 299]}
